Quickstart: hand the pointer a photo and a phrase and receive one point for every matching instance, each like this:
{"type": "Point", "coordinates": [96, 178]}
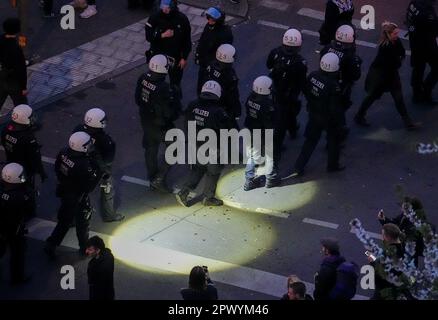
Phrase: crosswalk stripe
{"type": "Point", "coordinates": [169, 260]}
{"type": "Point", "coordinates": [272, 4]}
{"type": "Point", "coordinates": [321, 223]}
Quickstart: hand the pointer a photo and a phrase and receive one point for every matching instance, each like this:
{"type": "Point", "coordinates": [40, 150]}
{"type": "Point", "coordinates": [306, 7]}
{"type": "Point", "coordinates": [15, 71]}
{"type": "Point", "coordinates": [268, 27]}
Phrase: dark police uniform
{"type": "Point", "coordinates": [21, 146]}
{"type": "Point", "coordinates": [335, 16]}
{"type": "Point", "coordinates": [78, 174]}
{"type": "Point", "coordinates": [288, 72]}
{"type": "Point", "coordinates": [158, 110]}
{"type": "Point", "coordinates": [226, 76]}
{"type": "Point", "coordinates": [211, 39]}
{"type": "Point", "coordinates": [423, 31]}
{"type": "Point", "coordinates": [324, 104]}
{"type": "Point", "coordinates": [104, 153]}
{"type": "Point", "coordinates": [175, 48]}
{"type": "Point", "coordinates": [13, 74]}
{"type": "Point", "coordinates": [260, 114]}
{"type": "Point", "coordinates": [15, 206]}
{"type": "Point", "coordinates": [208, 114]}
{"type": "Point", "coordinates": [350, 71]}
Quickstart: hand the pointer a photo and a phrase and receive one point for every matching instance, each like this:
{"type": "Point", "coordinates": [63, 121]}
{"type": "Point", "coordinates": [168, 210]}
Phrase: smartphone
{"type": "Point", "coordinates": [368, 254]}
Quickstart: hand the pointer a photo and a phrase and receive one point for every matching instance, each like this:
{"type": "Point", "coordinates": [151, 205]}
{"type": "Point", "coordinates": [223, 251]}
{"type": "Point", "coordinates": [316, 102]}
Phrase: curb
{"type": "Point", "coordinates": [240, 10]}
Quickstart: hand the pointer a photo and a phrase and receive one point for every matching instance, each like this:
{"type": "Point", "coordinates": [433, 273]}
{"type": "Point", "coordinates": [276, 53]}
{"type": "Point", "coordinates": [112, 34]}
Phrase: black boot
{"type": "Point", "coordinates": [212, 202]}
{"type": "Point", "coordinates": [159, 184]}
{"type": "Point", "coordinates": [182, 198]}
{"type": "Point", "coordinates": [360, 120]}
{"type": "Point", "coordinates": [251, 184]}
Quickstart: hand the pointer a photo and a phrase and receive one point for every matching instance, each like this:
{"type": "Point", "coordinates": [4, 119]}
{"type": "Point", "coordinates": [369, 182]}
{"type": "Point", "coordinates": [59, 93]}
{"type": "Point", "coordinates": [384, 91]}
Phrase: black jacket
{"type": "Point", "coordinates": [423, 29]}
{"type": "Point", "coordinates": [105, 147]}
{"type": "Point", "coordinates": [210, 293]}
{"type": "Point", "coordinates": [334, 18]}
{"type": "Point", "coordinates": [288, 73]}
{"type": "Point", "coordinates": [77, 173]}
{"type": "Point", "coordinates": [260, 112]}
{"type": "Point", "coordinates": [101, 276]}
{"type": "Point", "coordinates": [326, 278]}
{"type": "Point", "coordinates": [156, 99]}
{"type": "Point", "coordinates": [226, 76]}
{"type": "Point", "coordinates": [324, 98]}
{"type": "Point", "coordinates": [350, 63]}
{"type": "Point", "coordinates": [211, 38]}
{"type": "Point", "coordinates": [15, 205]}
{"type": "Point", "coordinates": [178, 46]}
{"type": "Point", "coordinates": [22, 147]}
{"type": "Point", "coordinates": [12, 62]}
{"type": "Point", "coordinates": [307, 297]}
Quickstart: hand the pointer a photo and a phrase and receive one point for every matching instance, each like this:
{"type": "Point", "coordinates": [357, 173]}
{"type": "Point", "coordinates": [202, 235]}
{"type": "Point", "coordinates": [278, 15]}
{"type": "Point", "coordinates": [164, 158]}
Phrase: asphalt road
{"type": "Point", "coordinates": [379, 160]}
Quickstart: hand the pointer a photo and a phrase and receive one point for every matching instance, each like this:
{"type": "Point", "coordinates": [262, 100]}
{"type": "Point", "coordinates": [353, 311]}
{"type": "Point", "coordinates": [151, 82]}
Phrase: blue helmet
{"type": "Point", "coordinates": [214, 13]}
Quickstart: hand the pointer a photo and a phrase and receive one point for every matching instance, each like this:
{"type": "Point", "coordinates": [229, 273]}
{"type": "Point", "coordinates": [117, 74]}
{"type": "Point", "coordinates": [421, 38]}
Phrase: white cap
{"type": "Point", "coordinates": [80, 141]}
{"type": "Point", "coordinates": [159, 64]}
{"type": "Point", "coordinates": [13, 173]}
{"type": "Point", "coordinates": [95, 118]}
{"type": "Point", "coordinates": [292, 38]}
{"type": "Point", "coordinates": [212, 87]}
{"type": "Point", "coordinates": [262, 85]}
{"type": "Point", "coordinates": [21, 114]}
{"type": "Point", "coordinates": [345, 34]}
{"type": "Point", "coordinates": [330, 62]}
{"type": "Point", "coordinates": [225, 53]}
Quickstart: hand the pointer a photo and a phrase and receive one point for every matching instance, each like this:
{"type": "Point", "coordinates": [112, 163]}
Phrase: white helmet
{"type": "Point", "coordinates": [292, 38]}
{"type": "Point", "coordinates": [225, 53]}
{"type": "Point", "coordinates": [80, 141]}
{"type": "Point", "coordinates": [330, 62]}
{"type": "Point", "coordinates": [159, 64]}
{"type": "Point", "coordinates": [212, 88]}
{"type": "Point", "coordinates": [95, 118]}
{"type": "Point", "coordinates": [262, 85]}
{"type": "Point", "coordinates": [22, 114]}
{"type": "Point", "coordinates": [13, 173]}
{"type": "Point", "coordinates": [345, 34]}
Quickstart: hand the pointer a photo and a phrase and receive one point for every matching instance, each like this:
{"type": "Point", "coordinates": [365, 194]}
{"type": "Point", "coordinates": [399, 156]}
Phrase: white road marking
{"type": "Point", "coordinates": [138, 181]}
{"type": "Point", "coordinates": [320, 15]}
{"type": "Point", "coordinates": [48, 160]}
{"type": "Point", "coordinates": [171, 260]}
{"type": "Point", "coordinates": [272, 4]}
{"type": "Point", "coordinates": [321, 223]}
{"type": "Point", "coordinates": [316, 34]}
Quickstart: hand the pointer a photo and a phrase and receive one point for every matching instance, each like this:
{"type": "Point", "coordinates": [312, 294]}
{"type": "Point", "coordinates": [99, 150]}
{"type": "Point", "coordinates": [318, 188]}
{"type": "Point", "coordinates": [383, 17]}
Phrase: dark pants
{"type": "Point", "coordinates": [73, 208]}
{"type": "Point", "coordinates": [107, 195]}
{"type": "Point", "coordinates": [17, 247]}
{"type": "Point", "coordinates": [313, 132]}
{"type": "Point", "coordinates": [212, 173]}
{"type": "Point", "coordinates": [175, 75]}
{"type": "Point", "coordinates": [376, 93]}
{"type": "Point", "coordinates": [287, 123]}
{"type": "Point", "coordinates": [153, 137]}
{"type": "Point", "coordinates": [418, 68]}
{"type": "Point", "coordinates": [13, 90]}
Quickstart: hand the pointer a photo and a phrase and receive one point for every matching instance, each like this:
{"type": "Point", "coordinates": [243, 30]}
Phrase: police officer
{"type": "Point", "coordinates": [208, 114]}
{"type": "Point", "coordinates": [422, 20]}
{"type": "Point", "coordinates": [169, 33]}
{"type": "Point", "coordinates": [13, 74]}
{"type": "Point", "coordinates": [350, 64]}
{"type": "Point", "coordinates": [15, 205]}
{"type": "Point", "coordinates": [21, 146]}
{"type": "Point", "coordinates": [158, 110]}
{"type": "Point", "coordinates": [288, 72]}
{"type": "Point", "coordinates": [221, 70]}
{"type": "Point", "coordinates": [337, 13]}
{"type": "Point", "coordinates": [78, 175]}
{"type": "Point", "coordinates": [324, 104]}
{"type": "Point", "coordinates": [215, 33]}
{"type": "Point", "coordinates": [260, 114]}
{"type": "Point", "coordinates": [105, 148]}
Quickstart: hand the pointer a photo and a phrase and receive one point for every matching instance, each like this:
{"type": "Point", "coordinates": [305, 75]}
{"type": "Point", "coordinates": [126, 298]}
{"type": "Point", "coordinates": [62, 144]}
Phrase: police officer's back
{"type": "Point", "coordinates": [221, 70]}
{"type": "Point", "coordinates": [324, 104]}
{"type": "Point", "coordinates": [15, 205]}
{"type": "Point", "coordinates": [21, 146]}
{"type": "Point", "coordinates": [13, 74]}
